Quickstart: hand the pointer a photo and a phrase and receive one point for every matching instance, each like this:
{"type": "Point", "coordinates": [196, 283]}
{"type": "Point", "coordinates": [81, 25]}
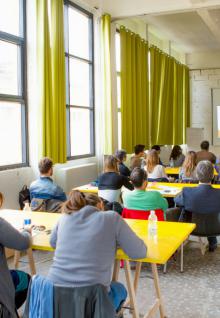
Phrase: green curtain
{"type": "Point", "coordinates": [134, 90]}
{"type": "Point", "coordinates": [107, 86]}
{"type": "Point", "coordinates": [51, 79]}
{"type": "Point", "coordinates": [169, 102]}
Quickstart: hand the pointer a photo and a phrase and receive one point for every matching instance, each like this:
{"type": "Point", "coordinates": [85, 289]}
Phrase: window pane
{"type": "Point", "coordinates": [10, 133]}
{"type": "Point", "coordinates": [79, 83]}
{"type": "Point", "coordinates": [119, 91]}
{"type": "Point", "coordinates": [78, 34]}
{"type": "Point", "coordinates": [119, 130]}
{"type": "Point", "coordinates": [80, 131]}
{"type": "Point", "coordinates": [9, 16]}
{"type": "Point", "coordinates": [118, 52]}
{"type": "Point", "coordinates": [9, 63]}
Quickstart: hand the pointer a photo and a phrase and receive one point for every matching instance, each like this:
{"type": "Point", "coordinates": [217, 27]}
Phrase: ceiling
{"type": "Point", "coordinates": [193, 25]}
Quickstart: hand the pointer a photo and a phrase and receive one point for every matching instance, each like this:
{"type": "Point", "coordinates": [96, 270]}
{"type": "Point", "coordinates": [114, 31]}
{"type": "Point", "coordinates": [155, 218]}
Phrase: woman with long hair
{"type": "Point", "coordinates": [153, 168]}
{"type": "Point", "coordinates": [188, 170]}
{"type": "Point", "coordinates": [176, 157]}
{"type": "Point", "coordinates": [85, 241]}
{"type": "Point", "coordinates": [110, 182]}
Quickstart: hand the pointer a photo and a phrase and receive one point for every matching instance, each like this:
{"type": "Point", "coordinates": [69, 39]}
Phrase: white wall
{"type": "Point", "coordinates": [205, 77]}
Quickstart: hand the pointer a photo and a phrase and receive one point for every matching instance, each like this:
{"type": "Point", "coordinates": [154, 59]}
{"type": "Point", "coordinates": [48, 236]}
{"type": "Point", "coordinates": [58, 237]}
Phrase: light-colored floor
{"type": "Point", "coordinates": [192, 294]}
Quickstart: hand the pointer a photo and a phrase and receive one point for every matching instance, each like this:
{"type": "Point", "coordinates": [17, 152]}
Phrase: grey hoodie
{"type": "Point", "coordinates": [86, 242]}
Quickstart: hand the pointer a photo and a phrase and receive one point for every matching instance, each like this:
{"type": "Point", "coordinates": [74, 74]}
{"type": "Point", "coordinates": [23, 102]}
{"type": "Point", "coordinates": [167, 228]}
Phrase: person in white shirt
{"type": "Point", "coordinates": [153, 168]}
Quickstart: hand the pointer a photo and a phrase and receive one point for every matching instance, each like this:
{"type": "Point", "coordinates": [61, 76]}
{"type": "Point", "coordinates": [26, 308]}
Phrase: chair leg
{"type": "Point", "coordinates": [31, 261]}
{"type": "Point", "coordinates": [181, 258]}
{"type": "Point", "coordinates": [202, 246]}
{"type": "Point", "coordinates": [165, 268]}
{"type": "Point", "coordinates": [17, 256]}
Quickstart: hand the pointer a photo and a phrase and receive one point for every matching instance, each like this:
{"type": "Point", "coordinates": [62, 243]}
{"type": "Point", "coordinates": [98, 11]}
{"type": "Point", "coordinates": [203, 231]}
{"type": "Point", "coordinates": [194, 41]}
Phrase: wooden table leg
{"type": "Point", "coordinates": [17, 255]}
{"type": "Point", "coordinates": [31, 261]}
{"type": "Point", "coordinates": [157, 288]}
{"type": "Point", "coordinates": [116, 270]}
{"type": "Point", "coordinates": [137, 275]}
{"type": "Point", "coordinates": [131, 290]}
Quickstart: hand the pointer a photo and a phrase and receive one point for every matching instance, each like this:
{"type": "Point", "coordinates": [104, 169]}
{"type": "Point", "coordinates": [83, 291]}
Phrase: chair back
{"type": "Point", "coordinates": [141, 214]}
{"type": "Point", "coordinates": [110, 195]}
{"type": "Point", "coordinates": [206, 224]}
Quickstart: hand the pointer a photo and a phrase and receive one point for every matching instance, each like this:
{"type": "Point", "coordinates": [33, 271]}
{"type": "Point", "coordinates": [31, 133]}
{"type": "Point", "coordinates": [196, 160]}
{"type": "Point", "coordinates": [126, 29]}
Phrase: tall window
{"type": "Point", "coordinates": [79, 54]}
{"type": "Point", "coordinates": [12, 84]}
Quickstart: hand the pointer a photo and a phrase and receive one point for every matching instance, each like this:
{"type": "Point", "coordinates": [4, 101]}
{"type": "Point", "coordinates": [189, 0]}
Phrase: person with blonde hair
{"type": "Point", "coordinates": [153, 168]}
{"type": "Point", "coordinates": [85, 241]}
{"type": "Point", "coordinates": [188, 170]}
{"type": "Point", "coordinates": [13, 283]}
{"type": "Point", "coordinates": [110, 182]}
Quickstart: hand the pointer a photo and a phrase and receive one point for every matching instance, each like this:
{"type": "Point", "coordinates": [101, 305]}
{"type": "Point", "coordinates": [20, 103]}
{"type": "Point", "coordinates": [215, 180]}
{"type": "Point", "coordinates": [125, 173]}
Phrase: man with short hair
{"type": "Point", "coordinates": [205, 154]}
{"type": "Point", "coordinates": [44, 187]}
{"type": "Point", "coordinates": [202, 199]}
{"type": "Point", "coordinates": [137, 159]}
{"type": "Point", "coordinates": [139, 198]}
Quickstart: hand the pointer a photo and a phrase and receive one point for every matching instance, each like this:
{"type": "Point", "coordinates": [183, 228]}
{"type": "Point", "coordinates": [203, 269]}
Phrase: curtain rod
{"type": "Point", "coordinates": [204, 69]}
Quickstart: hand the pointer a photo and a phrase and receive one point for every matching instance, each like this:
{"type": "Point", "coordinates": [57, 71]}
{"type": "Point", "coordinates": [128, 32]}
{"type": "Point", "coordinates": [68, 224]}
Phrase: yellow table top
{"type": "Point", "coordinates": [165, 191]}
{"type": "Point", "coordinates": [175, 170]}
{"type": "Point", "coordinates": [170, 234]}
{"type": "Point", "coordinates": [167, 185]}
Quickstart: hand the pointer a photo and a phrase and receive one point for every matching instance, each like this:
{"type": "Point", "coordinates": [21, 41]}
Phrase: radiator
{"type": "Point", "coordinates": [74, 176]}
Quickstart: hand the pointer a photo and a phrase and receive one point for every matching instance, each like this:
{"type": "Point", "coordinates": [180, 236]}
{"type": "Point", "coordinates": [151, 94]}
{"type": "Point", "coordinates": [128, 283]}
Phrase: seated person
{"type": "Point", "coordinates": [137, 160]}
{"type": "Point", "coordinates": [14, 283]}
{"type": "Point", "coordinates": [44, 187]}
{"type": "Point", "coordinates": [201, 199]}
{"type": "Point", "coordinates": [85, 241]}
{"type": "Point", "coordinates": [140, 199]}
{"type": "Point", "coordinates": [158, 150]}
{"type": "Point", "coordinates": [205, 154]}
{"type": "Point", "coordinates": [188, 170]}
{"type": "Point", "coordinates": [123, 169]}
{"type": "Point", "coordinates": [153, 168]}
{"type": "Point", "coordinates": [110, 182]}
{"type": "Point", "coordinates": [176, 157]}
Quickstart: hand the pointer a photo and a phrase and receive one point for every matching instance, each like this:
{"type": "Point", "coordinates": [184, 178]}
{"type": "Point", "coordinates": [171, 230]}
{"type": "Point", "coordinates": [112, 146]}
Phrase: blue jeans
{"type": "Point", "coordinates": [117, 294]}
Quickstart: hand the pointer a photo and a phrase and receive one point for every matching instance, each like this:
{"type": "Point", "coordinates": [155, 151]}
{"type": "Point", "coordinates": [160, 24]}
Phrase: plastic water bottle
{"type": "Point", "coordinates": [27, 207]}
{"type": "Point", "coordinates": [171, 163]}
{"type": "Point", "coordinates": [152, 225]}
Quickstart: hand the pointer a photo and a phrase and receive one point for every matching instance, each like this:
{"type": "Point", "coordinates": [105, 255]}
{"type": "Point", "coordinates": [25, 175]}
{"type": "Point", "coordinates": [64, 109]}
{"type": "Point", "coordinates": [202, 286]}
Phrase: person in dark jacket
{"type": "Point", "coordinates": [202, 199]}
{"type": "Point", "coordinates": [14, 283]}
{"type": "Point", "coordinates": [123, 169]}
{"type": "Point", "coordinates": [110, 182]}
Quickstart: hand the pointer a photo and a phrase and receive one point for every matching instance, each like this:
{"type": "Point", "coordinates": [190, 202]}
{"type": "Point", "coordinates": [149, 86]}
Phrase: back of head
{"type": "Point", "coordinates": [205, 171]}
{"type": "Point", "coordinates": [156, 147]}
{"type": "Point", "coordinates": [189, 163]}
{"type": "Point", "coordinates": [138, 176]}
{"type": "Point", "coordinates": [45, 164]}
{"type": "Point", "coordinates": [92, 199]}
{"type": "Point", "coordinates": [152, 160]}
{"type": "Point", "coordinates": [75, 202]}
{"type": "Point", "coordinates": [204, 145]}
{"type": "Point", "coordinates": [120, 155]}
{"type": "Point", "coordinates": [111, 164]}
{"type": "Point", "coordinates": [176, 152]}
{"type": "Point", "coordinates": [138, 149]}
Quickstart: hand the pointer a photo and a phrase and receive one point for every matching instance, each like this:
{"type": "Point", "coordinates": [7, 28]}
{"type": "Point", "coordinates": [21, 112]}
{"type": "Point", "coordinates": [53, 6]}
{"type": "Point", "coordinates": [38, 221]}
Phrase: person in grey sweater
{"type": "Point", "coordinates": [14, 284]}
{"type": "Point", "coordinates": [86, 241]}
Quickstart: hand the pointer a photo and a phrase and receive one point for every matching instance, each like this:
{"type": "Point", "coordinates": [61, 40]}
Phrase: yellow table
{"type": "Point", "coordinates": [161, 185]}
{"type": "Point", "coordinates": [165, 191]}
{"type": "Point", "coordinates": [175, 171]}
{"type": "Point", "coordinates": [170, 236]}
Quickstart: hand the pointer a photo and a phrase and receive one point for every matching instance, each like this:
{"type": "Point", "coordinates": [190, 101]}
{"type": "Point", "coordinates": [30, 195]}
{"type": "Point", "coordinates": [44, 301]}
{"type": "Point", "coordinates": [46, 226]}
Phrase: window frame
{"type": "Point", "coordinates": [91, 63]}
{"type": "Point", "coordinates": [21, 42]}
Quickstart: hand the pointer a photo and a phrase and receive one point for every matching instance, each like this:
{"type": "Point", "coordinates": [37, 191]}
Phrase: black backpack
{"type": "Point", "coordinates": [24, 196]}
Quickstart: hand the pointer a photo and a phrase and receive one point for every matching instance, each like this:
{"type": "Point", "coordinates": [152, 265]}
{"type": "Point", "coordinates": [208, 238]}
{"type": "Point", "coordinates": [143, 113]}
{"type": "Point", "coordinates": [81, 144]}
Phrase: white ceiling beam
{"type": "Point", "coordinates": [211, 24]}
